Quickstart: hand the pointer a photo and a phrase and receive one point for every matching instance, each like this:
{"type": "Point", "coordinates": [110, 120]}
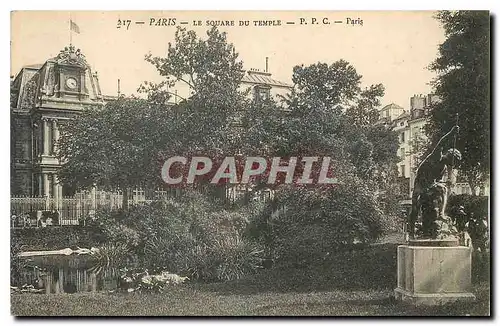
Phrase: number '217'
{"type": "Point", "coordinates": [123, 22]}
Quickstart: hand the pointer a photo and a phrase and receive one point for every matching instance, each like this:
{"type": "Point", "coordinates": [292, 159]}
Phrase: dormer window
{"type": "Point", "coordinates": [262, 92]}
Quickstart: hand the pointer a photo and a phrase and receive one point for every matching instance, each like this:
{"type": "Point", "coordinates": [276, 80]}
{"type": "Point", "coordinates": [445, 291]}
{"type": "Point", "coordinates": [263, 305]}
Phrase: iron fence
{"type": "Point", "coordinates": [44, 211]}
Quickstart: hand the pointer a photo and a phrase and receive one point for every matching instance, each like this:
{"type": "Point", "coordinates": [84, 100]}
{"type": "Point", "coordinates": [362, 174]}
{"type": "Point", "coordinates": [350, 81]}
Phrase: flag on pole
{"type": "Point", "coordinates": [74, 27]}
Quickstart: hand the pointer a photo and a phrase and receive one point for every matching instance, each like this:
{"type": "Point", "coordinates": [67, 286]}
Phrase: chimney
{"type": "Point", "coordinates": [267, 64]}
{"type": "Point", "coordinates": [118, 87]}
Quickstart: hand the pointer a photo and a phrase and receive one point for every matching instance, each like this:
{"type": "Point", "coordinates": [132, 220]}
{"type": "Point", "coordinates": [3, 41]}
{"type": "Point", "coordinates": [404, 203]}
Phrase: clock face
{"type": "Point", "coordinates": [71, 83]}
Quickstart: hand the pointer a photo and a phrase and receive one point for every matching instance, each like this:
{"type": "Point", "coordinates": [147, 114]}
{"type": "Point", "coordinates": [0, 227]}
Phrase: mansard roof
{"type": "Point", "coordinates": [392, 106]}
{"type": "Point", "coordinates": [262, 78]}
{"type": "Point", "coordinates": [34, 66]}
{"type": "Point", "coordinates": [404, 115]}
{"type": "Point", "coordinates": [37, 83]}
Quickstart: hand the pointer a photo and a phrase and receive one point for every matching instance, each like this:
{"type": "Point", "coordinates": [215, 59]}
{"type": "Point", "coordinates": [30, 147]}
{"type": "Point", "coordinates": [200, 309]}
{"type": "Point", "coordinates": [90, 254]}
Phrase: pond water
{"type": "Point", "coordinates": [66, 274]}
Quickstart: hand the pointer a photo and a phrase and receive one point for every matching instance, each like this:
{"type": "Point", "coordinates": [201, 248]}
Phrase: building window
{"type": "Point", "coordinates": [403, 171]}
{"type": "Point", "coordinates": [50, 185]}
{"type": "Point", "coordinates": [50, 137]}
{"type": "Point", "coordinates": [262, 93]}
{"type": "Point", "coordinates": [36, 185]}
{"type": "Point", "coordinates": [35, 143]}
{"type": "Point", "coordinates": [138, 194]}
{"type": "Point", "coordinates": [403, 136]}
{"type": "Point", "coordinates": [416, 132]}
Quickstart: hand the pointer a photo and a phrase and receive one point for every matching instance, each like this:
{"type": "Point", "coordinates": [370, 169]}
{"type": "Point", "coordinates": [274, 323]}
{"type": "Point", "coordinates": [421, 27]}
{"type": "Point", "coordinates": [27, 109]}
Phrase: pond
{"type": "Point", "coordinates": [66, 274]}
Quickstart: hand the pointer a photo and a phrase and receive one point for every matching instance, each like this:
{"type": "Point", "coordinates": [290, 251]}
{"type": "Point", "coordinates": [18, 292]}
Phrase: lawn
{"type": "Point", "coordinates": [353, 283]}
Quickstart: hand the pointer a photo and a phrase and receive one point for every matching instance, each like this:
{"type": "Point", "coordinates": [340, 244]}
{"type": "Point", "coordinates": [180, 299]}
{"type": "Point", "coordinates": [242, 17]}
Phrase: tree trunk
{"type": "Point", "coordinates": [472, 184]}
{"type": "Point", "coordinates": [125, 198]}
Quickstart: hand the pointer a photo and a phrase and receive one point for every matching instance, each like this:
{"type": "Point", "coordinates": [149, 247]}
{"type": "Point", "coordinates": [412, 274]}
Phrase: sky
{"type": "Point", "coordinates": [392, 47]}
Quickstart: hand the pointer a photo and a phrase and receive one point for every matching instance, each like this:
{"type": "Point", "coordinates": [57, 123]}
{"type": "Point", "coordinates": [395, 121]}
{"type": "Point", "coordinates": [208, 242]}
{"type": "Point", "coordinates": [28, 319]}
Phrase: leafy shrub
{"type": "Point", "coordinates": [189, 236]}
{"type": "Point", "coordinates": [227, 258]}
{"type": "Point", "coordinates": [110, 258]}
{"type": "Point", "coordinates": [56, 237]}
{"type": "Point", "coordinates": [16, 264]}
{"type": "Point", "coordinates": [207, 246]}
{"type": "Point", "coordinates": [307, 224]}
{"type": "Point", "coordinates": [238, 256]}
{"type": "Point", "coordinates": [463, 208]}
{"type": "Point", "coordinates": [108, 228]}
{"type": "Point", "coordinates": [470, 213]}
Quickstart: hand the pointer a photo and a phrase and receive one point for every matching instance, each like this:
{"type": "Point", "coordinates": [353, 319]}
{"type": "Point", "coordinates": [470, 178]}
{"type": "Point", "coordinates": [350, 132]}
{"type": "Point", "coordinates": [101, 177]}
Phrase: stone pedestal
{"type": "Point", "coordinates": [433, 273]}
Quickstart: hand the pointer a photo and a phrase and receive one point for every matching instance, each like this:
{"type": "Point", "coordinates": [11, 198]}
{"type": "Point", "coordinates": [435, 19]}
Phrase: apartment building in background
{"type": "Point", "coordinates": [409, 124]}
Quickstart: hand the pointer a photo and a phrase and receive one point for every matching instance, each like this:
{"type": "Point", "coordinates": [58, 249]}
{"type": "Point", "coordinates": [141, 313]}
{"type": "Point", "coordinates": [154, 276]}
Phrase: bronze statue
{"type": "Point", "coordinates": [430, 191]}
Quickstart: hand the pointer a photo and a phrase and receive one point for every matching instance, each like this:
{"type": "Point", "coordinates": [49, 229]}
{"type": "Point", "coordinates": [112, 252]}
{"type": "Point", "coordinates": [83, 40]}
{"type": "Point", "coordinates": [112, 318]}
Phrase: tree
{"type": "Point", "coordinates": [203, 65]}
{"type": "Point", "coordinates": [330, 114]}
{"type": "Point", "coordinates": [114, 146]}
{"type": "Point", "coordinates": [211, 70]}
{"type": "Point", "coordinates": [339, 117]}
{"type": "Point", "coordinates": [319, 118]}
{"type": "Point", "coordinates": [418, 146]}
{"type": "Point", "coordinates": [463, 85]}
{"type": "Point", "coordinates": [365, 111]}
{"type": "Point", "coordinates": [124, 144]}
{"type": "Point", "coordinates": [204, 122]}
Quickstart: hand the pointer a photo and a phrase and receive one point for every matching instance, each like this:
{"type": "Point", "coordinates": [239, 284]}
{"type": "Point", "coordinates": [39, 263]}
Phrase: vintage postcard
{"type": "Point", "coordinates": [250, 163]}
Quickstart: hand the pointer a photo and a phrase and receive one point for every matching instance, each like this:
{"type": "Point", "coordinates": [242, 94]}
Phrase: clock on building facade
{"type": "Point", "coordinates": [45, 97]}
{"type": "Point", "coordinates": [71, 83]}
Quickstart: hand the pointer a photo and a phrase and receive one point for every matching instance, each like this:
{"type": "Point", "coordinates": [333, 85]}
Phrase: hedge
{"type": "Point", "coordinates": [55, 238]}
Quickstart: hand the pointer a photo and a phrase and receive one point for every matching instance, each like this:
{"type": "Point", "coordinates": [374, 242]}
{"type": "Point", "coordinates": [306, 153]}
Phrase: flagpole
{"type": "Point", "coordinates": [70, 30]}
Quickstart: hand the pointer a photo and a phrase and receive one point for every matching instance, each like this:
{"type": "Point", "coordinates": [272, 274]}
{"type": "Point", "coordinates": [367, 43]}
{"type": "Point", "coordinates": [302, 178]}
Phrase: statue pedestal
{"type": "Point", "coordinates": [434, 272]}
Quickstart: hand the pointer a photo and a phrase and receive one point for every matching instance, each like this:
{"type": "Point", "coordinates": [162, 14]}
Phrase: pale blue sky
{"type": "Point", "coordinates": [392, 48]}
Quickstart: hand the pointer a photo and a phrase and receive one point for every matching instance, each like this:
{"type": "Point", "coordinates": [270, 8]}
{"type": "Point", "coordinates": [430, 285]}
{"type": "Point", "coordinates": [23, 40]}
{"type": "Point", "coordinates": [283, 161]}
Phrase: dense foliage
{"type": "Point", "coordinates": [211, 70]}
{"type": "Point", "coordinates": [327, 113]}
{"type": "Point", "coordinates": [190, 236]}
{"type": "Point", "coordinates": [16, 264]}
{"type": "Point", "coordinates": [470, 214]}
{"type": "Point", "coordinates": [113, 147]}
{"type": "Point", "coordinates": [55, 238]}
{"type": "Point", "coordinates": [302, 225]}
{"type": "Point", "coordinates": [322, 119]}
{"type": "Point", "coordinates": [463, 86]}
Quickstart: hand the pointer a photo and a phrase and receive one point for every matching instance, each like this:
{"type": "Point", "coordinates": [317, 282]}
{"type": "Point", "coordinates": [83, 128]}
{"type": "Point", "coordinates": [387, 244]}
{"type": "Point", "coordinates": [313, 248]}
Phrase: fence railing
{"type": "Point", "coordinates": [34, 212]}
{"type": "Point", "coordinates": [42, 211]}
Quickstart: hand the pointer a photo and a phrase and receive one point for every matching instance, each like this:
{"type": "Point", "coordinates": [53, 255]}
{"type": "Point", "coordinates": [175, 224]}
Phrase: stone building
{"type": "Point", "coordinates": [43, 97]}
{"type": "Point", "coordinates": [390, 112]}
{"type": "Point", "coordinates": [410, 124]}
